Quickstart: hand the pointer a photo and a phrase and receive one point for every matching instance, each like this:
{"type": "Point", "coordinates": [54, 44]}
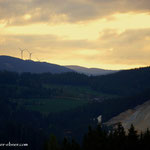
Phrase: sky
{"type": "Point", "coordinates": [108, 34]}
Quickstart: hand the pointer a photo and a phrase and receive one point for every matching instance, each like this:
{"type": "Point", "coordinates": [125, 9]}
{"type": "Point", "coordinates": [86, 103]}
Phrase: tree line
{"type": "Point", "coordinates": [101, 139]}
{"type": "Point", "coordinates": [135, 80]}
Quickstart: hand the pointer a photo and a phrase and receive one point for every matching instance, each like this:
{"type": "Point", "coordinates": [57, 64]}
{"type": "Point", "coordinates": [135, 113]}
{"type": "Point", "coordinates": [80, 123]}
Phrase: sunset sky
{"type": "Point", "coordinates": [109, 34]}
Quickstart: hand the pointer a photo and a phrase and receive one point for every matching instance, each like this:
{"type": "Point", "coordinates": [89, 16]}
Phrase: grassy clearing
{"type": "Point", "coordinates": [54, 105]}
{"type": "Point", "coordinates": [83, 92]}
{"type": "Point", "coordinates": [70, 98]}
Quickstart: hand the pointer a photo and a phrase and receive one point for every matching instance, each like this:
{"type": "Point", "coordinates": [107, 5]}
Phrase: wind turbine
{"type": "Point", "coordinates": [39, 59]}
{"type": "Point", "coordinates": [21, 50]}
{"type": "Point", "coordinates": [30, 55]}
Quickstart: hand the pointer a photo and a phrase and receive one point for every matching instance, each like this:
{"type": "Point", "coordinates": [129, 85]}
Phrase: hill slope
{"type": "Point", "coordinates": [18, 65]}
{"type": "Point", "coordinates": [139, 117]}
{"type": "Point", "coordinates": [91, 71]}
{"type": "Point", "coordinates": [127, 82]}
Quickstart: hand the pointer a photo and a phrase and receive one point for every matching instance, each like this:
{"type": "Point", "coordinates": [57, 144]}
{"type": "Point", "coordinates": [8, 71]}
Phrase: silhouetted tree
{"type": "Point", "coordinates": [132, 138]}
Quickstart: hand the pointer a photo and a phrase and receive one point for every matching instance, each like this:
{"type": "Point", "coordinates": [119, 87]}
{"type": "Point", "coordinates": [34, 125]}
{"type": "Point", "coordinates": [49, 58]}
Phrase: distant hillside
{"type": "Point", "coordinates": [18, 65]}
{"type": "Point", "coordinates": [127, 82]}
{"type": "Point", "coordinates": [91, 71]}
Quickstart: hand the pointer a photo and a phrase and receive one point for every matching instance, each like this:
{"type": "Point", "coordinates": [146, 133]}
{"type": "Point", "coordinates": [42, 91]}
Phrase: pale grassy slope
{"type": "Point", "coordinates": [139, 117]}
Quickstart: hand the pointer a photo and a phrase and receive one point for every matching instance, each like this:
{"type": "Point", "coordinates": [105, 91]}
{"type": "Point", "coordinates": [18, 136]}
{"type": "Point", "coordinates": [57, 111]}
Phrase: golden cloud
{"type": "Point", "coordinates": [14, 12]}
{"type": "Point", "coordinates": [131, 47]}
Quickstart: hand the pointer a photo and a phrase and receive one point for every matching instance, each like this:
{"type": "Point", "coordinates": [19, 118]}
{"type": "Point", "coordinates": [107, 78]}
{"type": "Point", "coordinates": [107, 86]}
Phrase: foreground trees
{"type": "Point", "coordinates": [99, 139]}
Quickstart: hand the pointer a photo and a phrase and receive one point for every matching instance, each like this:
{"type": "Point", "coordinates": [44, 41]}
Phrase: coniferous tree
{"type": "Point", "coordinates": [119, 137]}
{"type": "Point", "coordinates": [145, 140]}
{"type": "Point", "coordinates": [75, 145]}
{"type": "Point", "coordinates": [51, 144]}
{"type": "Point", "coordinates": [132, 138]}
{"type": "Point", "coordinates": [66, 144]}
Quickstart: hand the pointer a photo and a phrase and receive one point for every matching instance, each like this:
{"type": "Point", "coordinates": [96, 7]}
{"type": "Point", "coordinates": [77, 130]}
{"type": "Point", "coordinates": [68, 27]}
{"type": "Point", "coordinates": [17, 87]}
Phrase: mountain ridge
{"type": "Point", "coordinates": [91, 71]}
{"type": "Point", "coordinates": [9, 63]}
{"type": "Point", "coordinates": [15, 64]}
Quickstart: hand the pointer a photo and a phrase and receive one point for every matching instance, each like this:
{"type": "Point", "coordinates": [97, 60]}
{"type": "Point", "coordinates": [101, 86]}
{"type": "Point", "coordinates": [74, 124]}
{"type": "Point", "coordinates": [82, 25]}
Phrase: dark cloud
{"type": "Point", "coordinates": [49, 11]}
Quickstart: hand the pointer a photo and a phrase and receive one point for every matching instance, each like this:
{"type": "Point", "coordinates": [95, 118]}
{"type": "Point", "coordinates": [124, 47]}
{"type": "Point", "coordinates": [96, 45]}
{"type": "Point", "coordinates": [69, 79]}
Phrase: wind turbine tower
{"type": "Point", "coordinates": [30, 55]}
{"type": "Point", "coordinates": [39, 59]}
{"type": "Point", "coordinates": [21, 50]}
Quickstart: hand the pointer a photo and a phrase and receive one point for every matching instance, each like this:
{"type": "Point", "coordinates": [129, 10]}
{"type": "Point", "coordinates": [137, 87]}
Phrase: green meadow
{"type": "Point", "coordinates": [54, 105]}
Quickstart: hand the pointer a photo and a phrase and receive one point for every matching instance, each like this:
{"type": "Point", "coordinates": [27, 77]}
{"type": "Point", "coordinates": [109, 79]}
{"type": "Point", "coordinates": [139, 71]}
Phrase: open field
{"type": "Point", "coordinates": [84, 92]}
{"type": "Point", "coordinates": [54, 105]}
{"type": "Point", "coordinates": [68, 98]}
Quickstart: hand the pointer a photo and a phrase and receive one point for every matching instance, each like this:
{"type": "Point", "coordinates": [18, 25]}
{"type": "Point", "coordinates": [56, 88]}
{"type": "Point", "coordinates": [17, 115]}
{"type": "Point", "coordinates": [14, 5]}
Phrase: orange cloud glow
{"type": "Point", "coordinates": [92, 33]}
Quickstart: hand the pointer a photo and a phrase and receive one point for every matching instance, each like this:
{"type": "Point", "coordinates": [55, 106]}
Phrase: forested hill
{"type": "Point", "coordinates": [127, 82]}
{"type": "Point", "coordinates": [123, 83]}
{"type": "Point", "coordinates": [18, 65]}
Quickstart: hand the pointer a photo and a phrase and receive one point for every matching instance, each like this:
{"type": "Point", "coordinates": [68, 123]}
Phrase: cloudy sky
{"type": "Point", "coordinates": [110, 34]}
